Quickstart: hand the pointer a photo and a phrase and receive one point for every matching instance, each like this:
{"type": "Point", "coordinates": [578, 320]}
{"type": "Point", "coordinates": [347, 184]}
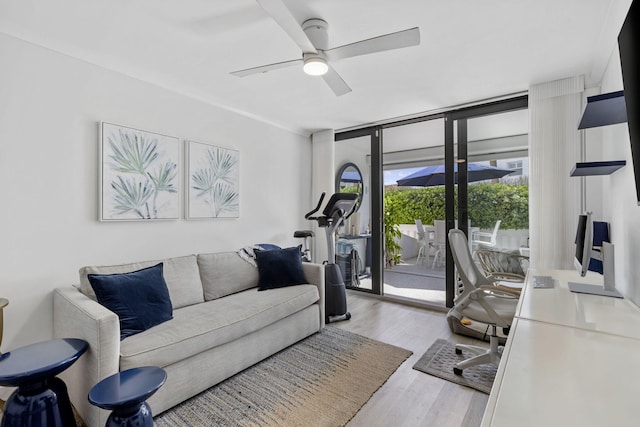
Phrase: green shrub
{"type": "Point", "coordinates": [487, 204]}
{"type": "Point", "coordinates": [392, 246]}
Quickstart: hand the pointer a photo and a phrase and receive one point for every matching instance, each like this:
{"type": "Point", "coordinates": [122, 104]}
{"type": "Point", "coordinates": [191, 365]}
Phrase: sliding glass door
{"type": "Point", "coordinates": [417, 177]}
{"type": "Point", "coordinates": [358, 243]}
{"type": "Point", "coordinates": [414, 204]}
{"type": "Point", "coordinates": [460, 125]}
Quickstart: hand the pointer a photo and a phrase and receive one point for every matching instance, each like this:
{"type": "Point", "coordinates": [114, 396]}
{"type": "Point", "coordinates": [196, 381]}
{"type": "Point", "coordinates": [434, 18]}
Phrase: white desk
{"type": "Point", "coordinates": [570, 360]}
{"type": "Point", "coordinates": [558, 305]}
{"type": "Point", "coordinates": [559, 376]}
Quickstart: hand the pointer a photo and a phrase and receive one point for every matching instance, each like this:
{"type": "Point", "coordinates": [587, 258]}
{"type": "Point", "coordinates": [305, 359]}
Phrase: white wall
{"type": "Point", "coordinates": [50, 106]}
{"type": "Point", "coordinates": [619, 195]}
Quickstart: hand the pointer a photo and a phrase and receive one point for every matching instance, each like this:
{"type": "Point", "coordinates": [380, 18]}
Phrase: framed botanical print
{"type": "Point", "coordinates": [213, 189]}
{"type": "Point", "coordinates": [139, 175]}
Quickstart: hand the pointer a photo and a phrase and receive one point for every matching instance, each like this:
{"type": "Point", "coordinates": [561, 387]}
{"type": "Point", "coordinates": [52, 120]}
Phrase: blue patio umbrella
{"type": "Point", "coordinates": [434, 175]}
{"type": "Point", "coordinates": [351, 176]}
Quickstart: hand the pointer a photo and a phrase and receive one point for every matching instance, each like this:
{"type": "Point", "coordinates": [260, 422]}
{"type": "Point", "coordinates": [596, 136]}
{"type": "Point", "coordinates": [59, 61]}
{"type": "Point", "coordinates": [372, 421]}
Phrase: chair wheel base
{"type": "Point", "coordinates": [457, 371]}
{"type": "Point", "coordinates": [458, 351]}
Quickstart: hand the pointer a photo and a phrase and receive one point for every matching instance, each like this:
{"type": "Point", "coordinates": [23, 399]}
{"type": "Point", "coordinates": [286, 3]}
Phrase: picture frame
{"type": "Point", "coordinates": [139, 175]}
{"type": "Point", "coordinates": [212, 181]}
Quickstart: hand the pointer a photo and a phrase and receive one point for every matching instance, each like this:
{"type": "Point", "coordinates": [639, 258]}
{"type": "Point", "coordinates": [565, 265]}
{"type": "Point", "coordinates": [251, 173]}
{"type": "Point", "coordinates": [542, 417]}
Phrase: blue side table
{"type": "Point", "coordinates": [125, 393]}
{"type": "Point", "coordinates": [41, 398]}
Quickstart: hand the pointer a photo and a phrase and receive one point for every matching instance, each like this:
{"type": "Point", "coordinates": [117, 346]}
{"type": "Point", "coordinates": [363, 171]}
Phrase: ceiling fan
{"type": "Point", "coordinates": [312, 38]}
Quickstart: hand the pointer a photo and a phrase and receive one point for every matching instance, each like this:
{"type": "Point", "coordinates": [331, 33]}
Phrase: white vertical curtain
{"type": "Point", "coordinates": [554, 148]}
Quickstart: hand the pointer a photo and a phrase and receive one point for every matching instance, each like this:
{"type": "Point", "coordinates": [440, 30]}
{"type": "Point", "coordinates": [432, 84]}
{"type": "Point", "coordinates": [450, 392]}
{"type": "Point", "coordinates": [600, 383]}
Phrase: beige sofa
{"type": "Point", "coordinates": [221, 325]}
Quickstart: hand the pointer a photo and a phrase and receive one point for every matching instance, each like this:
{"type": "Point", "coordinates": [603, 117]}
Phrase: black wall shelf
{"type": "Point", "coordinates": [597, 168]}
{"type": "Point", "coordinates": [603, 110]}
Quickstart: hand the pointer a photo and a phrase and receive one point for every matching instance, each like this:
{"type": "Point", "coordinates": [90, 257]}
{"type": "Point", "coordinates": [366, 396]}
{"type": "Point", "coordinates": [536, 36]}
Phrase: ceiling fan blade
{"type": "Point", "coordinates": [335, 82]}
{"type": "Point", "coordinates": [283, 17]}
{"type": "Point", "coordinates": [391, 41]}
{"type": "Point", "coordinates": [266, 68]}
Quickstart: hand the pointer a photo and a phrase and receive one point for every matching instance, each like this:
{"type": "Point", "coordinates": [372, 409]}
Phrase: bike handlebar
{"type": "Point", "coordinates": [317, 207]}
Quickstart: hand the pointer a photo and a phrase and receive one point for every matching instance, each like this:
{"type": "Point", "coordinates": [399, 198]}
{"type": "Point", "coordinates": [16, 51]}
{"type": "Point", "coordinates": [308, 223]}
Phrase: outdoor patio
{"type": "Point", "coordinates": [414, 280]}
{"type": "Point", "coordinates": [420, 280]}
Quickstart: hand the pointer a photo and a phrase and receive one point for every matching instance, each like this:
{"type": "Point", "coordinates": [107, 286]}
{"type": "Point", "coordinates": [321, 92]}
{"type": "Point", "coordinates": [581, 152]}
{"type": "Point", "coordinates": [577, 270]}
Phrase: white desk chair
{"type": "Point", "coordinates": [479, 301]}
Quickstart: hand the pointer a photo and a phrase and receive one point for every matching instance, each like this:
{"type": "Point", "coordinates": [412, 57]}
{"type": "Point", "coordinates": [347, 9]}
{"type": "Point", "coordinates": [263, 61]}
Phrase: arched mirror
{"type": "Point", "coordinates": [349, 180]}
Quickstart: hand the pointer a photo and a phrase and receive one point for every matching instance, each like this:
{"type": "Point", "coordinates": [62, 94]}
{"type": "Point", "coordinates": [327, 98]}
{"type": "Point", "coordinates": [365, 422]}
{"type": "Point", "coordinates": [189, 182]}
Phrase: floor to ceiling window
{"type": "Point", "coordinates": [413, 203]}
{"type": "Point", "coordinates": [400, 240]}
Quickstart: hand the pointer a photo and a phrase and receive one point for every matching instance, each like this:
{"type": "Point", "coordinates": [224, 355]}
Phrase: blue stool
{"type": "Point", "coordinates": [41, 398]}
{"type": "Point", "coordinates": [124, 393]}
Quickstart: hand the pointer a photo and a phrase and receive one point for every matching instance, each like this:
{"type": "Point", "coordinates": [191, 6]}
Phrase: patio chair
{"type": "Point", "coordinates": [439, 242]}
{"type": "Point", "coordinates": [482, 238]}
{"type": "Point", "coordinates": [423, 242]}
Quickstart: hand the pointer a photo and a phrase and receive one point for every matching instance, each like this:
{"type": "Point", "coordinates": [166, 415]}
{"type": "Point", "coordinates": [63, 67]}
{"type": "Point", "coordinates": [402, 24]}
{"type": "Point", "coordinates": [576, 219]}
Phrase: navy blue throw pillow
{"type": "Point", "coordinates": [140, 298]}
{"type": "Point", "coordinates": [268, 246]}
{"type": "Point", "coordinates": [279, 268]}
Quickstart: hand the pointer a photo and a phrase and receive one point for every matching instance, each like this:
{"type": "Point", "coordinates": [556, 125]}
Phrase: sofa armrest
{"type": "Point", "coordinates": [315, 276]}
{"type": "Point", "coordinates": [77, 316]}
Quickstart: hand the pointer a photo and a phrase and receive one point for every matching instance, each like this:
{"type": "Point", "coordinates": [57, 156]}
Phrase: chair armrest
{"type": "Point", "coordinates": [507, 277]}
{"type": "Point", "coordinates": [511, 292]}
{"type": "Point", "coordinates": [77, 316]}
{"type": "Point", "coordinates": [478, 296]}
{"type": "Point", "coordinates": [483, 234]}
{"type": "Point", "coordinates": [315, 276]}
{"type": "Point", "coordinates": [498, 293]}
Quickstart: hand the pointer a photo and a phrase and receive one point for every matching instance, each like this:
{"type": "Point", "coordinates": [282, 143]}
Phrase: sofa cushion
{"type": "Point", "coordinates": [180, 274]}
{"type": "Point", "coordinates": [199, 327]}
{"type": "Point", "coordinates": [140, 298]}
{"type": "Point", "coordinates": [225, 273]}
{"type": "Point", "coordinates": [279, 268]}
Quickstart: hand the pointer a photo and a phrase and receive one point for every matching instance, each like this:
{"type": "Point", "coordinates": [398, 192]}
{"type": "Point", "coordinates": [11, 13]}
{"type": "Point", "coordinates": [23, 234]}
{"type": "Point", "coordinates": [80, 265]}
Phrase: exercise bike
{"type": "Point", "coordinates": [305, 251]}
{"type": "Point", "coordinates": [339, 207]}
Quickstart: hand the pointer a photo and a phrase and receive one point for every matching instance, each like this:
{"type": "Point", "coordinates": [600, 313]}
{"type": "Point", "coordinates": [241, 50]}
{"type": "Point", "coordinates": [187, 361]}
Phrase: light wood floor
{"type": "Point", "coordinates": [410, 397]}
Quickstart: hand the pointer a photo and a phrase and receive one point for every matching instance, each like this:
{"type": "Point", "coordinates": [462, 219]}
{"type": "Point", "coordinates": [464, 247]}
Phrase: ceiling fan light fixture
{"type": "Point", "coordinates": [315, 66]}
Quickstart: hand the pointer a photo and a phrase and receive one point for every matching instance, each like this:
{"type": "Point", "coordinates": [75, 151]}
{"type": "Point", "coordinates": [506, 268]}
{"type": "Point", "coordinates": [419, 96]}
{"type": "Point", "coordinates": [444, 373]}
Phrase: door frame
{"type": "Point", "coordinates": [460, 117]}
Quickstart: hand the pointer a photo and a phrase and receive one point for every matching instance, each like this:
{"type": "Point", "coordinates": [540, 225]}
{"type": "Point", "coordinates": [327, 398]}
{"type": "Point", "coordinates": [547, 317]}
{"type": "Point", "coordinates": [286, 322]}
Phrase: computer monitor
{"type": "Point", "coordinates": [584, 243]}
{"type": "Point", "coordinates": [585, 250]}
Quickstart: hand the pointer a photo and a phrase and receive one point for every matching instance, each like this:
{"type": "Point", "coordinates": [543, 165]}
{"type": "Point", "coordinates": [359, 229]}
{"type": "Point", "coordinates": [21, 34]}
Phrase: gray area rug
{"type": "Point", "coordinates": [440, 359]}
{"type": "Point", "coordinates": [321, 381]}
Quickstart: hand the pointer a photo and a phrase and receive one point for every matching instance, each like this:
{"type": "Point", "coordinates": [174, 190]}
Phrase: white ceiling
{"type": "Point", "coordinates": [470, 50]}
